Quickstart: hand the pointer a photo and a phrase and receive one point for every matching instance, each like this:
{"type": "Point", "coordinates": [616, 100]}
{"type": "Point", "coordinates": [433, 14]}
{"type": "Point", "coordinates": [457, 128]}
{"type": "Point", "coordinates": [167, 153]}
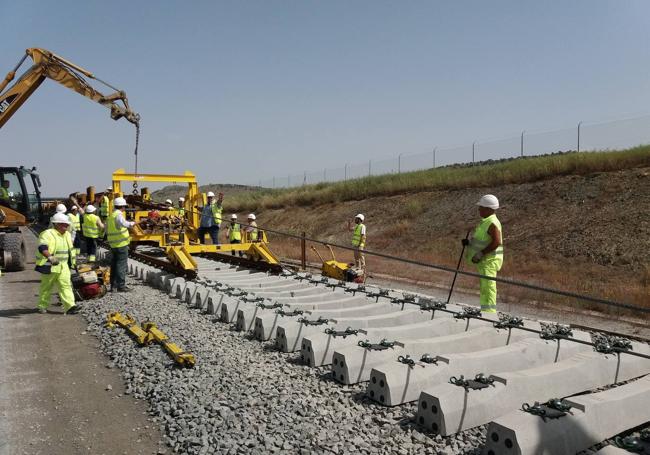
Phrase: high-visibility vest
{"type": "Point", "coordinates": [235, 232]}
{"type": "Point", "coordinates": [356, 235]}
{"type": "Point", "coordinates": [481, 239]}
{"type": "Point", "coordinates": [252, 233]}
{"type": "Point", "coordinates": [103, 208]}
{"type": "Point", "coordinates": [59, 245]}
{"type": "Point", "coordinates": [89, 225]}
{"type": "Point", "coordinates": [4, 194]}
{"type": "Point", "coordinates": [181, 212]}
{"type": "Point", "coordinates": [216, 213]}
{"type": "Point", "coordinates": [74, 219]}
{"type": "Point", "coordinates": [117, 236]}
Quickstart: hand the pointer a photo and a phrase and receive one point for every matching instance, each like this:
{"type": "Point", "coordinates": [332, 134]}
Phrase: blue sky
{"type": "Point", "coordinates": [241, 91]}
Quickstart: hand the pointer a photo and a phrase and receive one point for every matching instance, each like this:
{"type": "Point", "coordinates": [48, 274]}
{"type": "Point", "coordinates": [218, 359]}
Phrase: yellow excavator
{"type": "Point", "coordinates": [20, 203]}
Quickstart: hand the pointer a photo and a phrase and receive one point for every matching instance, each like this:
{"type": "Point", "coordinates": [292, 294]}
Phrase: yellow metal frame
{"type": "Point", "coordinates": [179, 247]}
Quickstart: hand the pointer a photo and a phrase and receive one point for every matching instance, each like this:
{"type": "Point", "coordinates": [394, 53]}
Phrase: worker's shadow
{"type": "Point", "coordinates": [17, 312]}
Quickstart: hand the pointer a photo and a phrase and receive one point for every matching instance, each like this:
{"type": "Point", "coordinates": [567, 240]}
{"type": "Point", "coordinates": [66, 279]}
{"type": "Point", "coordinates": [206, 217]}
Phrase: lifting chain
{"type": "Point", "coordinates": [611, 345]}
{"type": "Point", "coordinates": [381, 346]}
{"type": "Point", "coordinates": [555, 331]}
{"type": "Point", "coordinates": [341, 333]}
{"type": "Point", "coordinates": [426, 358]}
{"type": "Point", "coordinates": [507, 321]}
{"type": "Point", "coordinates": [479, 382]}
{"type": "Point", "coordinates": [289, 313]}
{"type": "Point", "coordinates": [406, 360]}
{"type": "Point", "coordinates": [137, 144]}
{"type": "Point", "coordinates": [269, 306]}
{"type": "Point", "coordinates": [552, 409]}
{"type": "Point", "coordinates": [468, 312]}
{"type": "Point", "coordinates": [319, 321]}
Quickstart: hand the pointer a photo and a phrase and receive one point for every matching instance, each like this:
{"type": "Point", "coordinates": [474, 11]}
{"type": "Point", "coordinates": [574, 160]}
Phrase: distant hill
{"type": "Point", "coordinates": [173, 192]}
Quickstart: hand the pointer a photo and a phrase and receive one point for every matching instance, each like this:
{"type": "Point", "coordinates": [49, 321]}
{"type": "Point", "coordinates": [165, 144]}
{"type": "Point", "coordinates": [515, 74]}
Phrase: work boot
{"type": "Point", "coordinates": [124, 289]}
{"type": "Point", "coordinates": [72, 310]}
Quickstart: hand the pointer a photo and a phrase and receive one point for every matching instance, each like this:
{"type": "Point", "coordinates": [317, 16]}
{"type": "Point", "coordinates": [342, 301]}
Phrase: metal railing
{"type": "Point", "coordinates": [615, 134]}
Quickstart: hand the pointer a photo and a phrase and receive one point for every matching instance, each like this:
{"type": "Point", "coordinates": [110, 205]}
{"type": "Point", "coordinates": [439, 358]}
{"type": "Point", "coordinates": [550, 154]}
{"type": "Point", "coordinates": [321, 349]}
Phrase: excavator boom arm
{"type": "Point", "coordinates": [48, 65]}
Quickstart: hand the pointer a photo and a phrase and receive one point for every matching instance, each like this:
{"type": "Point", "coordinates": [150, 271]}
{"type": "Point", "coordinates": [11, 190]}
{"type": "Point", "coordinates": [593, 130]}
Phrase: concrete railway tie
{"type": "Point", "coordinates": [447, 409]}
{"type": "Point", "coordinates": [593, 418]}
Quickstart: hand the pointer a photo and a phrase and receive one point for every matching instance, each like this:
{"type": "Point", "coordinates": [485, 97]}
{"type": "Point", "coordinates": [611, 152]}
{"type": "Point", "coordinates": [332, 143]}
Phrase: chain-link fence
{"type": "Point", "coordinates": [616, 134]}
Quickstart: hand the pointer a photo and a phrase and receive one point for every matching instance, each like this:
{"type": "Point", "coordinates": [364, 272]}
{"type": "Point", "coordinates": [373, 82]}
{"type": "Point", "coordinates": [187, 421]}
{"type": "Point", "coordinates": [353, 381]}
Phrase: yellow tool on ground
{"type": "Point", "coordinates": [130, 325]}
{"type": "Point", "coordinates": [333, 268]}
{"type": "Point", "coordinates": [181, 357]}
{"type": "Point", "coordinates": [149, 333]}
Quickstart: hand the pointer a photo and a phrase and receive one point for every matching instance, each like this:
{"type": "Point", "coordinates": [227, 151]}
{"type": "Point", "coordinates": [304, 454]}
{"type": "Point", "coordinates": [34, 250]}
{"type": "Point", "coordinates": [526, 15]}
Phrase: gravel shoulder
{"type": "Point", "coordinates": [53, 381]}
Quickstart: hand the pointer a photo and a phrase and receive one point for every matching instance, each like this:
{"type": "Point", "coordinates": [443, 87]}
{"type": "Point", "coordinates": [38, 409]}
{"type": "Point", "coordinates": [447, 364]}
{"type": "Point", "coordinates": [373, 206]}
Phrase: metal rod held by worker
{"type": "Point", "coordinates": [460, 262]}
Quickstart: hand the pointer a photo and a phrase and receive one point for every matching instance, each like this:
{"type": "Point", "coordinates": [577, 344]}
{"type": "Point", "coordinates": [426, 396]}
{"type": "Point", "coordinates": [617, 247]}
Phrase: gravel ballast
{"type": "Point", "coordinates": [243, 396]}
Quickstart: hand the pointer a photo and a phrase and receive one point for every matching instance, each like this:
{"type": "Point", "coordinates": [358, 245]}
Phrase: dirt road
{"type": "Point", "coordinates": [54, 381]}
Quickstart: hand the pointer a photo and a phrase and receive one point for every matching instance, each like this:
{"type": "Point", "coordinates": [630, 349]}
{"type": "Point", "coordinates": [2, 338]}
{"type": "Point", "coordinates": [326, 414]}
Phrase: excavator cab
{"type": "Point", "coordinates": [20, 192]}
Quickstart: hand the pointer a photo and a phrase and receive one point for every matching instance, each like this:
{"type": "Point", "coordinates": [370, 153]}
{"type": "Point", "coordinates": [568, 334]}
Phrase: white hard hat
{"type": "Point", "coordinates": [210, 194]}
{"type": "Point", "coordinates": [109, 189]}
{"type": "Point", "coordinates": [60, 218]}
{"type": "Point", "coordinates": [74, 207]}
{"type": "Point", "coordinates": [168, 201]}
{"type": "Point", "coordinates": [360, 216]}
{"type": "Point", "coordinates": [60, 208]}
{"type": "Point", "coordinates": [234, 217]}
{"type": "Point", "coordinates": [90, 208]}
{"type": "Point", "coordinates": [119, 202]}
{"type": "Point", "coordinates": [181, 199]}
{"type": "Point", "coordinates": [489, 201]}
{"type": "Point", "coordinates": [251, 216]}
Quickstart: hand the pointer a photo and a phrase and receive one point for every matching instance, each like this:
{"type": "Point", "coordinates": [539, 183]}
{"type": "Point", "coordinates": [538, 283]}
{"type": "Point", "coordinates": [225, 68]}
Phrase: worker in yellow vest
{"type": "Point", "coordinates": [117, 234]}
{"type": "Point", "coordinates": [54, 258]}
{"type": "Point", "coordinates": [234, 231]}
{"type": "Point", "coordinates": [4, 190]}
{"type": "Point", "coordinates": [104, 205]}
{"type": "Point", "coordinates": [91, 227]}
{"type": "Point", "coordinates": [359, 241]}
{"type": "Point", "coordinates": [181, 207]}
{"type": "Point", "coordinates": [75, 231]}
{"type": "Point", "coordinates": [252, 233]}
{"type": "Point", "coordinates": [485, 250]}
{"type": "Point", "coordinates": [211, 218]}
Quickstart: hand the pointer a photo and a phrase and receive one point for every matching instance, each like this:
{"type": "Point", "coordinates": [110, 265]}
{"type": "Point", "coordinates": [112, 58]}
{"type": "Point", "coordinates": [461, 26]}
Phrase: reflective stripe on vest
{"type": "Point", "coordinates": [117, 236]}
{"type": "Point", "coordinates": [59, 245]}
{"type": "Point", "coordinates": [216, 213]}
{"type": "Point", "coordinates": [89, 226]}
{"type": "Point", "coordinates": [103, 208]}
{"type": "Point", "coordinates": [74, 219]}
{"type": "Point", "coordinates": [481, 238]}
{"type": "Point", "coordinates": [356, 236]}
{"type": "Point", "coordinates": [235, 232]}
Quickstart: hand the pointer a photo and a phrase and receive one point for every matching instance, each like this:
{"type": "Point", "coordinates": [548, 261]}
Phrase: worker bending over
{"type": "Point", "coordinates": [117, 234]}
{"type": "Point", "coordinates": [485, 250]}
{"type": "Point", "coordinates": [54, 259]}
{"type": "Point", "coordinates": [91, 226]}
{"type": "Point", "coordinates": [211, 218]}
{"type": "Point", "coordinates": [75, 229]}
{"type": "Point", "coordinates": [234, 232]}
{"type": "Point", "coordinates": [359, 241]}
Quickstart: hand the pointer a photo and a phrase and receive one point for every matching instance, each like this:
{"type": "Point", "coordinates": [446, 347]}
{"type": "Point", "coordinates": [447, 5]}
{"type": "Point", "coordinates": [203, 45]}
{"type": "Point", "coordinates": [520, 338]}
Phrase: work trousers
{"type": "Point", "coordinates": [489, 266]}
{"type": "Point", "coordinates": [76, 241]}
{"type": "Point", "coordinates": [359, 258]}
{"type": "Point", "coordinates": [64, 284]}
{"type": "Point", "coordinates": [214, 234]}
{"type": "Point", "coordinates": [91, 246]}
{"type": "Point", "coordinates": [119, 263]}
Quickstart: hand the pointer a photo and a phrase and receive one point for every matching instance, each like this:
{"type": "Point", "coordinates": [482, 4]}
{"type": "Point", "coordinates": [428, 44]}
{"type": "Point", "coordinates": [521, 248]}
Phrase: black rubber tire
{"type": "Point", "coordinates": [15, 246]}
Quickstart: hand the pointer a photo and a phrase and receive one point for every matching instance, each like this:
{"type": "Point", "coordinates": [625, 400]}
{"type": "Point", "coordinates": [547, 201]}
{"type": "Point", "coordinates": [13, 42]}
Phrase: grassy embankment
{"type": "Point", "coordinates": [521, 170]}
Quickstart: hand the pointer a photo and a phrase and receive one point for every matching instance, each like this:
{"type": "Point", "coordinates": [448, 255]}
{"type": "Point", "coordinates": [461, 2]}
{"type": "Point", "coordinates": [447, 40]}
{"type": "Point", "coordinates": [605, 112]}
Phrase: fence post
{"type": "Point", "coordinates": [303, 251]}
{"type": "Point", "coordinates": [521, 151]}
{"type": "Point", "coordinates": [579, 123]}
